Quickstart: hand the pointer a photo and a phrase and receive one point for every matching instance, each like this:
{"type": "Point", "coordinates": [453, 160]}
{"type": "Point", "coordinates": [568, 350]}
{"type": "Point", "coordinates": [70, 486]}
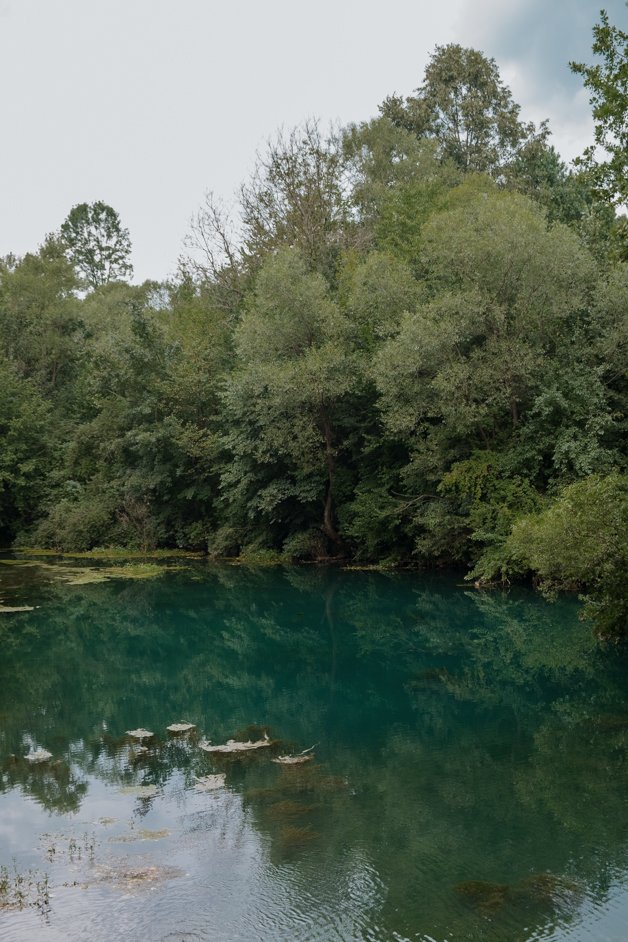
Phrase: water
{"type": "Point", "coordinates": [469, 780]}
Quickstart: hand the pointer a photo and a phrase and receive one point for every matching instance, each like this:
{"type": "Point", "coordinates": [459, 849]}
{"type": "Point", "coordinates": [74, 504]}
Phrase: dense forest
{"type": "Point", "coordinates": [405, 343]}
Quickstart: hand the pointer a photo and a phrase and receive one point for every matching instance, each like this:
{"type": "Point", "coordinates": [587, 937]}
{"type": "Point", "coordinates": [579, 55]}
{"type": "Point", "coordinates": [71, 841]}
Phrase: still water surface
{"type": "Point", "coordinates": [469, 779]}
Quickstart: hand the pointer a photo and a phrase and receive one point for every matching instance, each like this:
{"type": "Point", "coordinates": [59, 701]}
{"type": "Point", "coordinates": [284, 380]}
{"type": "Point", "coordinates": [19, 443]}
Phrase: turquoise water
{"type": "Point", "coordinates": [469, 779]}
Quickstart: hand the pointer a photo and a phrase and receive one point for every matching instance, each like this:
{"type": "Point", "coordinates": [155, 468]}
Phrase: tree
{"type": "Point", "coordinates": [607, 83]}
{"type": "Point", "coordinates": [288, 403]}
{"type": "Point", "coordinates": [464, 372]}
{"type": "Point", "coordinates": [396, 182]}
{"type": "Point", "coordinates": [464, 105]}
{"type": "Point", "coordinates": [581, 541]}
{"type": "Point", "coordinates": [96, 244]}
{"type": "Point", "coordinates": [25, 456]}
{"type": "Point", "coordinates": [296, 198]}
{"type": "Point", "coordinates": [40, 324]}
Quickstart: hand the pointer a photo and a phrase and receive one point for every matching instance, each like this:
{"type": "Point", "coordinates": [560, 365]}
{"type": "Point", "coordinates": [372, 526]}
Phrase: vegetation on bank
{"type": "Point", "coordinates": [408, 345]}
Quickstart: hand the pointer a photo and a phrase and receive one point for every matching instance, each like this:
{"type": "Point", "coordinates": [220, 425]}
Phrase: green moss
{"type": "Point", "coordinates": [254, 556]}
{"type": "Point", "coordinates": [288, 809]}
{"type": "Point", "coordinates": [293, 838]}
{"type": "Point", "coordinates": [483, 896]}
{"type": "Point", "coordinates": [112, 552]}
{"type": "Point", "coordinates": [544, 891]}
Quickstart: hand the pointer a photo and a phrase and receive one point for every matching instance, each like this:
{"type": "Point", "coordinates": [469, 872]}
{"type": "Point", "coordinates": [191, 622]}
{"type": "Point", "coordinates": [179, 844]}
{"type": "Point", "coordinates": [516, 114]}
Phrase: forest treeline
{"type": "Point", "coordinates": [406, 343]}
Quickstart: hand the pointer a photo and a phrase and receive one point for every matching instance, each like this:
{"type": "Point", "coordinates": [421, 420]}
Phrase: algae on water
{"type": "Point", "coordinates": [88, 575]}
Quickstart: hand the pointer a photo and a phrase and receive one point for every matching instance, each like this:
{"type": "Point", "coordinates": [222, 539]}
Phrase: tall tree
{"type": "Point", "coordinates": [607, 82]}
{"type": "Point", "coordinates": [40, 317]}
{"type": "Point", "coordinates": [97, 244]}
{"type": "Point", "coordinates": [289, 400]}
{"type": "Point", "coordinates": [464, 105]}
{"type": "Point", "coordinates": [296, 198]}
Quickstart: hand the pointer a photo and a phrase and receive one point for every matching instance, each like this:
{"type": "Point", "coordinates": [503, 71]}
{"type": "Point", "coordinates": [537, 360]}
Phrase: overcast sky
{"type": "Point", "coordinates": [146, 104]}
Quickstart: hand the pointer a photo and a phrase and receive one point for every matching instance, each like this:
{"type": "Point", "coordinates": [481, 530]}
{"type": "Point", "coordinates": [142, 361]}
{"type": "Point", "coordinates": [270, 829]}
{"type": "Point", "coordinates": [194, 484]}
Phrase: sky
{"type": "Point", "coordinates": [149, 104]}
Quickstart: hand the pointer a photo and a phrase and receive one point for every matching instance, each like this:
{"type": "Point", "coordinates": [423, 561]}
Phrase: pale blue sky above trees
{"type": "Point", "coordinates": [146, 104]}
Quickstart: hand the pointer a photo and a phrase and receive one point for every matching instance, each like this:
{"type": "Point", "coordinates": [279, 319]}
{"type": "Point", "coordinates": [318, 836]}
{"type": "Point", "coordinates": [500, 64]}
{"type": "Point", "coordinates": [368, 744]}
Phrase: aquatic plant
{"type": "Point", "coordinates": [19, 889]}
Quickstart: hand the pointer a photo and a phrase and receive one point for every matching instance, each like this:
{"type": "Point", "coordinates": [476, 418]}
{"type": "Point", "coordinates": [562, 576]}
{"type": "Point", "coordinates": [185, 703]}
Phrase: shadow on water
{"type": "Point", "coordinates": [470, 769]}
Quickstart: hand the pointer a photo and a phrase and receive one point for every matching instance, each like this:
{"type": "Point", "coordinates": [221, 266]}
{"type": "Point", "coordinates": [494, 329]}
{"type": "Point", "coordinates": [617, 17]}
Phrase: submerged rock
{"type": "Point", "coordinates": [38, 755]}
{"type": "Point", "coordinates": [483, 896]}
{"type": "Point", "coordinates": [142, 834]}
{"type": "Point", "coordinates": [539, 890]}
{"type": "Point", "coordinates": [141, 791]}
{"type": "Point", "coordinates": [128, 876]}
{"type": "Point", "coordinates": [180, 727]}
{"type": "Point", "coordinates": [294, 838]}
{"type": "Point", "coordinates": [233, 746]}
{"type": "Point", "coordinates": [140, 733]}
{"type": "Point", "coordinates": [549, 890]}
{"type": "Point", "coordinates": [292, 760]}
{"type": "Point", "coordinates": [290, 809]}
{"type": "Point", "coordinates": [210, 783]}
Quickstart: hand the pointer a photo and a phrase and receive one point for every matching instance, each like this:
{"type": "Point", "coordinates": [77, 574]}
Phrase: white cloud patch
{"type": "Point", "coordinates": [533, 43]}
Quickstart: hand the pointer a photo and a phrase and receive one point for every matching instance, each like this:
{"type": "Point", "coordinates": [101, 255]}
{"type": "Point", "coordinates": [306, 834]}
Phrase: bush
{"type": "Point", "coordinates": [581, 542]}
{"type": "Point", "coordinates": [309, 544]}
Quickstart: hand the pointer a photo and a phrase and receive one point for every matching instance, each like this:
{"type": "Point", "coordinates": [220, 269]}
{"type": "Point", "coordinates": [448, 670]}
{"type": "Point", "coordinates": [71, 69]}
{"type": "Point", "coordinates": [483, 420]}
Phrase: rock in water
{"type": "Point", "coordinates": [232, 746]}
{"type": "Point", "coordinates": [293, 760]}
{"type": "Point", "coordinates": [180, 727]}
{"type": "Point", "coordinates": [210, 782]}
{"type": "Point", "coordinates": [38, 755]}
{"type": "Point", "coordinates": [299, 759]}
{"type": "Point", "coordinates": [140, 733]}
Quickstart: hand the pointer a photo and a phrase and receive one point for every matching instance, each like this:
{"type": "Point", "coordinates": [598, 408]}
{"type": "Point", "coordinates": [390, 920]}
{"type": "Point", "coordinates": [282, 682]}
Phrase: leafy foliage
{"type": "Point", "coordinates": [466, 108]}
{"type": "Point", "coordinates": [96, 243]}
{"type": "Point", "coordinates": [581, 541]}
{"type": "Point", "coordinates": [607, 82]}
{"type": "Point", "coordinates": [406, 343]}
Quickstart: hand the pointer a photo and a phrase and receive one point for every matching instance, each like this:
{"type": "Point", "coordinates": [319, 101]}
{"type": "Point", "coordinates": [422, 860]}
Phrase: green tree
{"type": "Point", "coordinates": [463, 373]}
{"type": "Point", "coordinates": [581, 541]}
{"type": "Point", "coordinates": [97, 244]}
{"type": "Point", "coordinates": [287, 402]}
{"type": "Point", "coordinates": [296, 197]}
{"type": "Point", "coordinates": [25, 455]}
{"type": "Point", "coordinates": [397, 181]}
{"type": "Point", "coordinates": [463, 105]}
{"type": "Point", "coordinates": [607, 83]}
{"type": "Point", "coordinates": [41, 331]}
{"type": "Point", "coordinates": [566, 195]}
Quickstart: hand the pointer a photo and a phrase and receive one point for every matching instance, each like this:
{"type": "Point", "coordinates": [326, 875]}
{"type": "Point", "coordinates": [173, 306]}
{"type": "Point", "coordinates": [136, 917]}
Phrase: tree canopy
{"type": "Point", "coordinates": [464, 106]}
{"type": "Point", "coordinates": [405, 344]}
{"type": "Point", "coordinates": [97, 245]}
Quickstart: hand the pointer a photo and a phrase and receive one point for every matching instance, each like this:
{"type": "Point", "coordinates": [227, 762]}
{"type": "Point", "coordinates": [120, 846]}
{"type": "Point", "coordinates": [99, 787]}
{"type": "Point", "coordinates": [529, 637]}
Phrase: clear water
{"type": "Point", "coordinates": [469, 781]}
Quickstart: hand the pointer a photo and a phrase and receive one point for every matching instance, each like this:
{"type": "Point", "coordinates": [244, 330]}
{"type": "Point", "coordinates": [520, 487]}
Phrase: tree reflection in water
{"type": "Point", "coordinates": [470, 760]}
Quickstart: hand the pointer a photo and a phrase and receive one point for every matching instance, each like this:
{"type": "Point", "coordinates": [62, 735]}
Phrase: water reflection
{"type": "Point", "coordinates": [470, 770]}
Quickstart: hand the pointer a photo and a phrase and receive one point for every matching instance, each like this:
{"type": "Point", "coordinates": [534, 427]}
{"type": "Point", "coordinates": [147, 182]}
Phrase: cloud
{"type": "Point", "coordinates": [533, 43]}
